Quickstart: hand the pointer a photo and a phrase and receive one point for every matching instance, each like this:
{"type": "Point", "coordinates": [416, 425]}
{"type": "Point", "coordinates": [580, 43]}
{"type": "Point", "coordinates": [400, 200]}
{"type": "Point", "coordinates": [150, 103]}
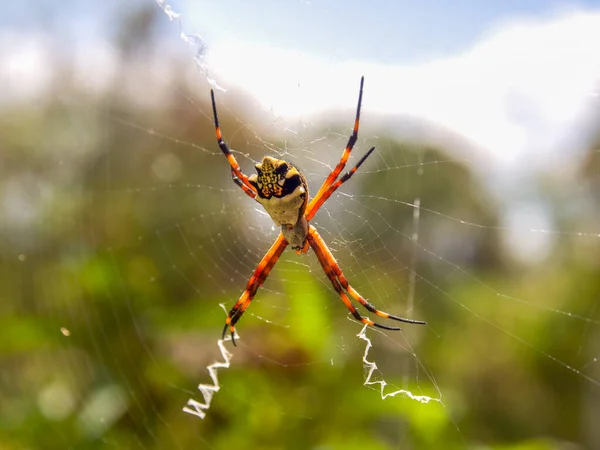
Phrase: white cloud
{"type": "Point", "coordinates": [521, 88]}
{"type": "Point", "coordinates": [24, 64]}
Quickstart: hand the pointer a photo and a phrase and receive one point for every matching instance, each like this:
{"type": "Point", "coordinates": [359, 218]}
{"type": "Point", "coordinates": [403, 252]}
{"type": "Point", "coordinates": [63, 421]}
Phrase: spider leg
{"type": "Point", "coordinates": [245, 188]}
{"type": "Point", "coordinates": [340, 283]}
{"type": "Point", "coordinates": [351, 141]}
{"type": "Point", "coordinates": [318, 201]}
{"type": "Point", "coordinates": [256, 280]}
{"type": "Point", "coordinates": [359, 298]}
{"type": "Point", "coordinates": [345, 155]}
{"type": "Point", "coordinates": [236, 173]}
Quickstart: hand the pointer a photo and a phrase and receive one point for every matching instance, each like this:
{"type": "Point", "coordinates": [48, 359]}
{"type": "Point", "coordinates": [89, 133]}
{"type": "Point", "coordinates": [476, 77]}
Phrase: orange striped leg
{"type": "Point", "coordinates": [342, 163]}
{"type": "Point", "coordinates": [256, 280]}
{"type": "Point", "coordinates": [236, 173]}
{"type": "Point", "coordinates": [249, 192]}
{"type": "Point", "coordinates": [316, 203]}
{"type": "Point", "coordinates": [339, 282]}
{"type": "Point", "coordinates": [359, 298]}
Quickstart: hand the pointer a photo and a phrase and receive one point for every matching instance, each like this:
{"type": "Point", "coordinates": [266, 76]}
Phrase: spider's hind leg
{"type": "Point", "coordinates": [340, 284]}
{"type": "Point", "coordinates": [360, 299]}
{"type": "Point", "coordinates": [256, 280]}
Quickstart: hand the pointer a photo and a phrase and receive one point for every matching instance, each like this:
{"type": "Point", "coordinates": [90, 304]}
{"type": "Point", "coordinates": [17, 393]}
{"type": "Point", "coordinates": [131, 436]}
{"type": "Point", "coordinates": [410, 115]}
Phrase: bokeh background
{"type": "Point", "coordinates": [121, 232]}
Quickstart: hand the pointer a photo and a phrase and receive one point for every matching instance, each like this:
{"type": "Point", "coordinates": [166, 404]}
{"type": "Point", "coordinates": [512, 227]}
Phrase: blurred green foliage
{"type": "Point", "coordinates": [112, 278]}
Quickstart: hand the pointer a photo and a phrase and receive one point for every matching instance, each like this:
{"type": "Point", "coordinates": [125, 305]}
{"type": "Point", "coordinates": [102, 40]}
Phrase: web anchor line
{"type": "Point", "coordinates": [208, 390]}
{"type": "Point", "coordinates": [195, 41]}
{"type": "Point", "coordinates": [370, 367]}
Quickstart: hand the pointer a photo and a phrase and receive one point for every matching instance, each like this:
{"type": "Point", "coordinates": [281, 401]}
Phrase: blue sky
{"type": "Point", "coordinates": [382, 30]}
{"type": "Point", "coordinates": [393, 31]}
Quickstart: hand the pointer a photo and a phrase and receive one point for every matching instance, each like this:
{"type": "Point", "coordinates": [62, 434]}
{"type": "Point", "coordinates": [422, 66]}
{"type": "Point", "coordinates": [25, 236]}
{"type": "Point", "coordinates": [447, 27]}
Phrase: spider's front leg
{"type": "Point", "coordinates": [236, 173]}
{"type": "Point", "coordinates": [330, 184]}
{"type": "Point", "coordinates": [256, 280]}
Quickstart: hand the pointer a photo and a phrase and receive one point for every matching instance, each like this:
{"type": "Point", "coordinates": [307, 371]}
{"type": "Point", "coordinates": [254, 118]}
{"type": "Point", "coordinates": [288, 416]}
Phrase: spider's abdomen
{"type": "Point", "coordinates": [296, 234]}
{"type": "Point", "coordinates": [284, 210]}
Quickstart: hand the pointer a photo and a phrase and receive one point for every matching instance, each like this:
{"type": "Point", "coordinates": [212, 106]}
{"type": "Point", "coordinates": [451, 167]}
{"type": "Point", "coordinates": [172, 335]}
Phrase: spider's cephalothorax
{"type": "Point", "coordinates": [282, 190]}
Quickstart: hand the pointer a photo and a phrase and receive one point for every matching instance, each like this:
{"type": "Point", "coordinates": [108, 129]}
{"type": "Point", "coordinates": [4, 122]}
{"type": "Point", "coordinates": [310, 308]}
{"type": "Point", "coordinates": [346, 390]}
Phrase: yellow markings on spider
{"type": "Point", "coordinates": [282, 190]}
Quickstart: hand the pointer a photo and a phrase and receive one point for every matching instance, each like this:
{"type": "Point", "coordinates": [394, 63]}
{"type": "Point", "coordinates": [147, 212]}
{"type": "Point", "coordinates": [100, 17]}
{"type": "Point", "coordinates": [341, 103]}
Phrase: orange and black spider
{"type": "Point", "coordinates": [283, 191]}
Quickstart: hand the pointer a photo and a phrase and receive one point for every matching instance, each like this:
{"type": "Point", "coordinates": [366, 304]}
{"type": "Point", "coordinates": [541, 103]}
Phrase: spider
{"type": "Point", "coordinates": [283, 191]}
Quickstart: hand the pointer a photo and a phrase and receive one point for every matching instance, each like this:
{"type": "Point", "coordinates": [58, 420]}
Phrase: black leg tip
{"type": "Point", "coordinates": [224, 331]}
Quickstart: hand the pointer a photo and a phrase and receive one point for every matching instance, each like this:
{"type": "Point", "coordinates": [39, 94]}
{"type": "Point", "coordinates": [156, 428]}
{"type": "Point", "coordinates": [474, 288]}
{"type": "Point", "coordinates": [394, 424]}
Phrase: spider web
{"type": "Point", "coordinates": [143, 240]}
